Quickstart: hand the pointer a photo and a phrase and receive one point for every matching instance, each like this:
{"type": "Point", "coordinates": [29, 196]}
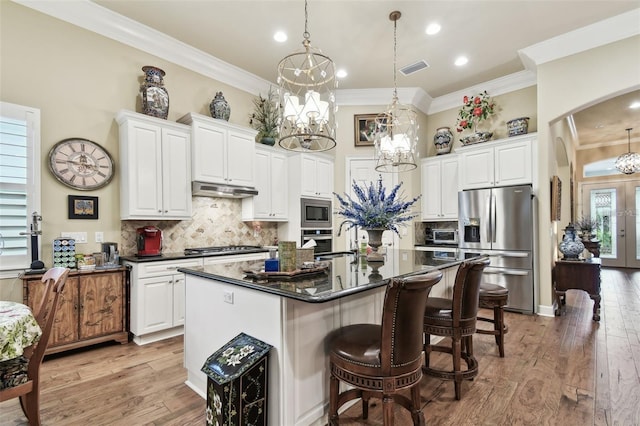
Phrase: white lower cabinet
{"type": "Point", "coordinates": [157, 299]}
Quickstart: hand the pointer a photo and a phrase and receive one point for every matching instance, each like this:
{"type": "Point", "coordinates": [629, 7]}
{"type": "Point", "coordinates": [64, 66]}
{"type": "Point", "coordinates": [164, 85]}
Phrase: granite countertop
{"type": "Point", "coordinates": [181, 255]}
{"type": "Point", "coordinates": [344, 275]}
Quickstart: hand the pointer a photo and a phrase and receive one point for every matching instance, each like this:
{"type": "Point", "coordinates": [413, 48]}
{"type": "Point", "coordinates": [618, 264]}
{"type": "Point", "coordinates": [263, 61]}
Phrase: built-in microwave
{"type": "Point", "coordinates": [315, 213]}
{"type": "Point", "coordinates": [445, 236]}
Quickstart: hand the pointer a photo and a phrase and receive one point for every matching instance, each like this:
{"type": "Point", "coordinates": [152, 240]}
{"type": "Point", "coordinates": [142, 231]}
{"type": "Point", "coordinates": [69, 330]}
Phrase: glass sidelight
{"type": "Point", "coordinates": [614, 206]}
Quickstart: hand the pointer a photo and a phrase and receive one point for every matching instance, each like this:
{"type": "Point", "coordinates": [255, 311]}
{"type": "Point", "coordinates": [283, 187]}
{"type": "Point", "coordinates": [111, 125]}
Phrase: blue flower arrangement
{"type": "Point", "coordinates": [373, 209]}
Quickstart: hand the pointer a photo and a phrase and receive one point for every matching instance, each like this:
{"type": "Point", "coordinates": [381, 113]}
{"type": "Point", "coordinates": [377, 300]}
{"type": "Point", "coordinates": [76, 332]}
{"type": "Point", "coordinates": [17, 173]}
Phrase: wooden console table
{"type": "Point", "coordinates": [577, 275]}
{"type": "Point", "coordinates": [93, 308]}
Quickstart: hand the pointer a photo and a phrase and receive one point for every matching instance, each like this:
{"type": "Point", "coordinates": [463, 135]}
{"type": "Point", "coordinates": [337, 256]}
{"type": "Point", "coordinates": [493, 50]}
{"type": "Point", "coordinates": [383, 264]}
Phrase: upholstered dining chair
{"type": "Point", "coordinates": [455, 318]}
{"type": "Point", "coordinates": [20, 377]}
{"type": "Point", "coordinates": [382, 360]}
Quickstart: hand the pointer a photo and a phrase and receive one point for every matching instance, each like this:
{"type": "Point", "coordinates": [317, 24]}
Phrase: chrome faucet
{"type": "Point", "coordinates": [354, 247]}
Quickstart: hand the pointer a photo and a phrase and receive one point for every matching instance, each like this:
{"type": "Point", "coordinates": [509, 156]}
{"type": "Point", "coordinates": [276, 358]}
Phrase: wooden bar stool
{"type": "Point", "coordinates": [455, 319]}
{"type": "Point", "coordinates": [493, 296]}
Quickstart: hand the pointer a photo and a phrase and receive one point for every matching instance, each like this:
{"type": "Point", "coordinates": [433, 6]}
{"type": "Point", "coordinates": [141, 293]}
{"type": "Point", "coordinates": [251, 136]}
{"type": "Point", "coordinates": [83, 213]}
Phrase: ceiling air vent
{"type": "Point", "coordinates": [410, 69]}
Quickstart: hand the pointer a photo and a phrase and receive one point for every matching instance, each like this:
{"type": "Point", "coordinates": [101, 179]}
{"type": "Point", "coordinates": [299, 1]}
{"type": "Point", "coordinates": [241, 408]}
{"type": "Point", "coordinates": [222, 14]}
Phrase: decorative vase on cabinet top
{"type": "Point", "coordinates": [518, 126]}
{"type": "Point", "coordinates": [219, 107]}
{"type": "Point", "coordinates": [155, 98]}
{"type": "Point", "coordinates": [571, 246]}
{"type": "Point", "coordinates": [443, 139]}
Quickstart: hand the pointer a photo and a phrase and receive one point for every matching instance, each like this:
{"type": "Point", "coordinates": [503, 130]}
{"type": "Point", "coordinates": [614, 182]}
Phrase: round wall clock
{"type": "Point", "coordinates": [81, 164]}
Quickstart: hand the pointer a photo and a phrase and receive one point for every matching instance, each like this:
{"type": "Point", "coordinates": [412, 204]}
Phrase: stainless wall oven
{"type": "Point", "coordinates": [314, 213]}
{"type": "Point", "coordinates": [322, 237]}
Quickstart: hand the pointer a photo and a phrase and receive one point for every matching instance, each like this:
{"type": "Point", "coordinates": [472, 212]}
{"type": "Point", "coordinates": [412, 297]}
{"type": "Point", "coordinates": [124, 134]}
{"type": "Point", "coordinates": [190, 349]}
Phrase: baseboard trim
{"type": "Point", "coordinates": [546, 310]}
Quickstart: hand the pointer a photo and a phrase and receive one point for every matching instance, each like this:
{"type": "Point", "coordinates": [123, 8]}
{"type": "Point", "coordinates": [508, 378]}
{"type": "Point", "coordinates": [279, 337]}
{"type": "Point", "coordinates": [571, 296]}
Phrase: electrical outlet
{"type": "Point", "coordinates": [228, 296]}
{"type": "Point", "coordinates": [79, 237]}
{"type": "Point", "coordinates": [99, 237]}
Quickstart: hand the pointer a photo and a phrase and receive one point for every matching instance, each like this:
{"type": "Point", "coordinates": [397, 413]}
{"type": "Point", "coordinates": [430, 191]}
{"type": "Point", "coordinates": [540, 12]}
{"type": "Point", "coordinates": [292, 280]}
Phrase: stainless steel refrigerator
{"type": "Point", "coordinates": [499, 222]}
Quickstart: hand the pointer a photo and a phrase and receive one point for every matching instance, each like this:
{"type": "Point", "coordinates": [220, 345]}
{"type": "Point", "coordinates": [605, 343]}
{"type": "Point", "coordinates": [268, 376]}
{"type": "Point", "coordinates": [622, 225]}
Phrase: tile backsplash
{"type": "Point", "coordinates": [215, 222]}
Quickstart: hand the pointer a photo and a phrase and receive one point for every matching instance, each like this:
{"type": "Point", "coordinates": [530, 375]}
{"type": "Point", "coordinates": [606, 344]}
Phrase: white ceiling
{"type": "Point", "coordinates": [499, 38]}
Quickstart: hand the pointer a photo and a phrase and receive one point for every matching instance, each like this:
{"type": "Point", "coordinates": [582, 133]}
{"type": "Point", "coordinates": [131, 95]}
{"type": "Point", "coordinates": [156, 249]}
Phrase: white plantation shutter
{"type": "Point", "coordinates": [19, 182]}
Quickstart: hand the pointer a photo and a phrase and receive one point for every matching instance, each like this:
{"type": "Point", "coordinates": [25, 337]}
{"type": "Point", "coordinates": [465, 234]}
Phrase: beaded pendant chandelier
{"type": "Point", "coordinates": [396, 128]}
{"type": "Point", "coordinates": [307, 86]}
{"type": "Point", "coordinates": [628, 163]}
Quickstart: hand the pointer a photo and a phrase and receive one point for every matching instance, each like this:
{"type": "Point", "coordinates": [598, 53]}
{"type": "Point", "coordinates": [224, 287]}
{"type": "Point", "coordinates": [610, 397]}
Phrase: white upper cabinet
{"type": "Point", "coordinates": [271, 203]}
{"type": "Point", "coordinates": [440, 187]}
{"type": "Point", "coordinates": [155, 168]}
{"type": "Point", "coordinates": [316, 174]}
{"type": "Point", "coordinates": [222, 152]}
{"type": "Point", "coordinates": [501, 163]}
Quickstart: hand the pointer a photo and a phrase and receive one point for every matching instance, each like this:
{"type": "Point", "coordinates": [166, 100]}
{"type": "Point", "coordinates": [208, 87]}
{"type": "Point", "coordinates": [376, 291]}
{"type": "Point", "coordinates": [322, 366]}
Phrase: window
{"type": "Point", "coordinates": [19, 182]}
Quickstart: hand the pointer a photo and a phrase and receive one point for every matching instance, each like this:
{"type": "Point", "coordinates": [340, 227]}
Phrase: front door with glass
{"type": "Point", "coordinates": [614, 206]}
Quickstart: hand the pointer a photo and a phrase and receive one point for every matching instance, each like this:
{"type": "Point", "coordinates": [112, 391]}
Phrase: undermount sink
{"type": "Point", "coordinates": [334, 254]}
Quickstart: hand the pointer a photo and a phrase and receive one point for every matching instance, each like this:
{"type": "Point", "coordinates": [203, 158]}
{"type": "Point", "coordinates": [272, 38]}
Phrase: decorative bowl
{"type": "Point", "coordinates": [476, 137]}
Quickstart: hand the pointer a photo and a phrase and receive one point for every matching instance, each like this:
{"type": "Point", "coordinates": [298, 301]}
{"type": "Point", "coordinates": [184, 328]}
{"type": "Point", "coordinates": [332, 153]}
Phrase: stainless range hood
{"type": "Point", "coordinates": [204, 189]}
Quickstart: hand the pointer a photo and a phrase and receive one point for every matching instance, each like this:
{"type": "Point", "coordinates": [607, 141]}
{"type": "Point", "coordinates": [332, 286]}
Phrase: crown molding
{"type": "Point", "coordinates": [93, 17]}
{"type": "Point", "coordinates": [414, 96]}
{"type": "Point", "coordinates": [100, 20]}
{"type": "Point", "coordinates": [595, 35]}
{"type": "Point", "coordinates": [498, 86]}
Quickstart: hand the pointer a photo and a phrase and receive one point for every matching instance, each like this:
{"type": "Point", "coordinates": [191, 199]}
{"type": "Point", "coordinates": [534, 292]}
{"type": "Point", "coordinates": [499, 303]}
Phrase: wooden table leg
{"type": "Point", "coordinates": [559, 295]}
{"type": "Point", "coordinates": [596, 306]}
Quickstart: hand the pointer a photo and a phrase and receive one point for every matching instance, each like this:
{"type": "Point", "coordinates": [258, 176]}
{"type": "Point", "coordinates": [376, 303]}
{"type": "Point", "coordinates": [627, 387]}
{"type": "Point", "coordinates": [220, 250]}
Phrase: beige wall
{"type": "Point", "coordinates": [79, 80]}
{"type": "Point", "coordinates": [564, 86]}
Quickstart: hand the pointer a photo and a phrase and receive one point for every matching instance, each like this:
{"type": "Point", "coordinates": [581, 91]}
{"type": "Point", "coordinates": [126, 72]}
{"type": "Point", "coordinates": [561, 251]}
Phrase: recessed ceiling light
{"type": "Point", "coordinates": [433, 28]}
{"type": "Point", "coordinates": [599, 126]}
{"type": "Point", "coordinates": [635, 105]}
{"type": "Point", "coordinates": [341, 73]}
{"type": "Point", "coordinates": [280, 36]}
{"type": "Point", "coordinates": [461, 60]}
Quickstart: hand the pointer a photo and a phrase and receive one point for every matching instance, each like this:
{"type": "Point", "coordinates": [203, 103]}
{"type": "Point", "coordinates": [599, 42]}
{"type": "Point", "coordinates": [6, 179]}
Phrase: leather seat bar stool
{"type": "Point", "coordinates": [455, 318]}
{"type": "Point", "coordinates": [493, 296]}
{"type": "Point", "coordinates": [383, 360]}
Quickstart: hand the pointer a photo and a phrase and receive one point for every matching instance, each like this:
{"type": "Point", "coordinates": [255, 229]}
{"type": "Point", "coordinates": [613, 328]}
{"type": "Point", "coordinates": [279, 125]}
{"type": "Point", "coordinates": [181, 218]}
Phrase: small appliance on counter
{"type": "Point", "coordinates": [149, 239]}
{"type": "Point", "coordinates": [110, 253]}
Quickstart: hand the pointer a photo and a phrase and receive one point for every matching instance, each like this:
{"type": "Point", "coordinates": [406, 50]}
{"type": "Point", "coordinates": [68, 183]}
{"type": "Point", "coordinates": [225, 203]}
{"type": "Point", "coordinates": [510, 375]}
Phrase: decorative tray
{"type": "Point", "coordinates": [318, 268]}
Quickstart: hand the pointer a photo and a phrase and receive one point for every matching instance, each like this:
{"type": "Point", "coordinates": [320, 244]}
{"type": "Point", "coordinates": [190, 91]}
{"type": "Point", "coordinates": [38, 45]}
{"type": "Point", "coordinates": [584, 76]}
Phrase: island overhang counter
{"type": "Point", "coordinates": [294, 316]}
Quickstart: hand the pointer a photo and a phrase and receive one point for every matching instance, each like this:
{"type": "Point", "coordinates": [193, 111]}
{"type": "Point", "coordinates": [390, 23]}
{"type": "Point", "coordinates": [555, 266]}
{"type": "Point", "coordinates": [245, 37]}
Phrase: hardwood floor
{"type": "Point", "coordinates": [557, 371]}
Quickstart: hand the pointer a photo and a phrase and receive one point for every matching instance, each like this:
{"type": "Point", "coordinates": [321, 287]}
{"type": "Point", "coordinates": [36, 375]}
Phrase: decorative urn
{"type": "Point", "coordinates": [219, 107]}
{"type": "Point", "coordinates": [571, 246]}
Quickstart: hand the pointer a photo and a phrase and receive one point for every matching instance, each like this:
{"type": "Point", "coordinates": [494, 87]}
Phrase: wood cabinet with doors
{"type": "Point", "coordinates": [440, 187]}
{"type": "Point", "coordinates": [221, 152]}
{"type": "Point", "coordinates": [315, 173]}
{"type": "Point", "coordinates": [93, 308]}
{"type": "Point", "coordinates": [155, 168]}
{"type": "Point", "coordinates": [271, 203]}
{"type": "Point", "coordinates": [504, 162]}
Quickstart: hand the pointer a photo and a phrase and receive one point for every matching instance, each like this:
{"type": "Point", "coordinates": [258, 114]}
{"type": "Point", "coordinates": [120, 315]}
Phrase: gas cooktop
{"type": "Point", "coordinates": [222, 249]}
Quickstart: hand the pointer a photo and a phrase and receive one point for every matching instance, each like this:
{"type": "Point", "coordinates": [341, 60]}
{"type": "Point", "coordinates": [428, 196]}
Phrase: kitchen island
{"type": "Point", "coordinates": [294, 316]}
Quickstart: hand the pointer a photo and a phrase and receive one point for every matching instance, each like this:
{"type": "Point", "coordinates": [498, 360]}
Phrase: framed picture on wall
{"type": "Point", "coordinates": [82, 207]}
{"type": "Point", "coordinates": [556, 192]}
{"type": "Point", "coordinates": [365, 129]}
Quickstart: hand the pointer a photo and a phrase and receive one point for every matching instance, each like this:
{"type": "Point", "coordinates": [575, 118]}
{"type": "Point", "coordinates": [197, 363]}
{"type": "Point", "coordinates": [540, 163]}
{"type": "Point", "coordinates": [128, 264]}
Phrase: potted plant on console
{"type": "Point", "coordinates": [265, 118]}
{"type": "Point", "coordinates": [375, 211]}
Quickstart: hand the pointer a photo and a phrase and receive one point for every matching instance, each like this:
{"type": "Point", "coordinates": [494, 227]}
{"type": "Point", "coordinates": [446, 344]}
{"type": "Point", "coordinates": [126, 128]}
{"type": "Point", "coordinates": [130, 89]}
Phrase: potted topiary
{"type": "Point", "coordinates": [265, 118]}
{"type": "Point", "coordinates": [587, 227]}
